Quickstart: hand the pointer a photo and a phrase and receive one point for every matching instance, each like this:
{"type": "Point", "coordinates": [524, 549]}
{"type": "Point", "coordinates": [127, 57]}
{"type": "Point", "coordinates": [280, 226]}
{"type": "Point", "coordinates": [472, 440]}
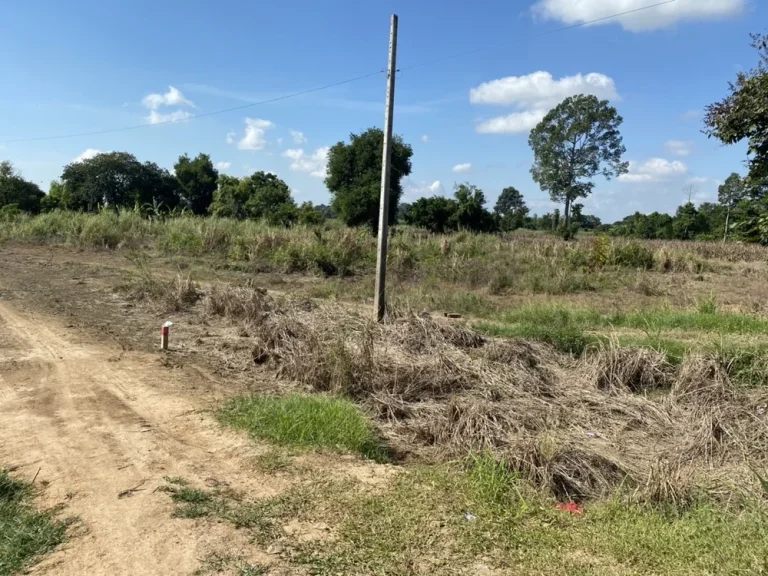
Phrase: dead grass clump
{"type": "Point", "coordinates": [570, 471]}
{"type": "Point", "coordinates": [421, 334]}
{"type": "Point", "coordinates": [616, 369]}
{"type": "Point", "coordinates": [703, 380]}
{"type": "Point", "coordinates": [442, 391]}
{"type": "Point", "coordinates": [175, 295]}
{"type": "Point", "coordinates": [245, 305]}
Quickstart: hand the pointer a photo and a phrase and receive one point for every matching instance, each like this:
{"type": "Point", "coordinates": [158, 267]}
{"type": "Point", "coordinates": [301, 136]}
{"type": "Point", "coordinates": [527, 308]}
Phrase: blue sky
{"type": "Point", "coordinates": [89, 65]}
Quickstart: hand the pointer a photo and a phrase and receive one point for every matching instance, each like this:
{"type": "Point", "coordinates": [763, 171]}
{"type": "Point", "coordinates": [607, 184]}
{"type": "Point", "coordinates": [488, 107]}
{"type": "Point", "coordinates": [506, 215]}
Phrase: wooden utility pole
{"type": "Point", "coordinates": [380, 299]}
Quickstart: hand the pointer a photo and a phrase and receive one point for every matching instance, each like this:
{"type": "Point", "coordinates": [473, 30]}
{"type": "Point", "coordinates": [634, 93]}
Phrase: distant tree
{"type": "Point", "coordinates": [511, 209]}
{"type": "Point", "coordinates": [326, 211]}
{"type": "Point", "coordinates": [117, 179]}
{"type": "Point", "coordinates": [229, 199]}
{"type": "Point", "coordinates": [402, 212]}
{"type": "Point", "coordinates": [575, 142]}
{"type": "Point", "coordinates": [470, 209]}
{"type": "Point", "coordinates": [354, 177]}
{"type": "Point", "coordinates": [685, 222]}
{"type": "Point", "coordinates": [743, 115]}
{"type": "Point", "coordinates": [18, 192]}
{"type": "Point", "coordinates": [261, 196]}
{"type": "Point", "coordinates": [309, 215]}
{"type": "Point", "coordinates": [729, 194]}
{"type": "Point", "coordinates": [556, 219]}
{"type": "Point", "coordinates": [58, 198]}
{"type": "Point", "coordinates": [436, 214]}
{"type": "Point", "coordinates": [198, 180]}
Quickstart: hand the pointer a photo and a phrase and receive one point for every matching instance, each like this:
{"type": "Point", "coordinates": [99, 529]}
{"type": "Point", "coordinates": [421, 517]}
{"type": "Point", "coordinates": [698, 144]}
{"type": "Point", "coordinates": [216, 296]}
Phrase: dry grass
{"type": "Point", "coordinates": [582, 428]}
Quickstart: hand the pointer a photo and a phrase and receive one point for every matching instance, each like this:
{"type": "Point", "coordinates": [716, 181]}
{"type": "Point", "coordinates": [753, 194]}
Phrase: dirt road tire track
{"type": "Point", "coordinates": [97, 422]}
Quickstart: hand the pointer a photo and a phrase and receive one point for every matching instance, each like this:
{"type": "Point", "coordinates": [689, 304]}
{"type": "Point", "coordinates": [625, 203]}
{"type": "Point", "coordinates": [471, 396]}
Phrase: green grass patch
{"type": "Point", "coordinates": [650, 320]}
{"type": "Point", "coordinates": [25, 533]}
{"type": "Point", "coordinates": [324, 422]}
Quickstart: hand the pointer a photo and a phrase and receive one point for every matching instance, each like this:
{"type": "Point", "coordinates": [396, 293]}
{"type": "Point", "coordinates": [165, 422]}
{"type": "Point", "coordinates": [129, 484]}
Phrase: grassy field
{"type": "Point", "coordinates": [25, 533]}
{"type": "Point", "coordinates": [627, 377]}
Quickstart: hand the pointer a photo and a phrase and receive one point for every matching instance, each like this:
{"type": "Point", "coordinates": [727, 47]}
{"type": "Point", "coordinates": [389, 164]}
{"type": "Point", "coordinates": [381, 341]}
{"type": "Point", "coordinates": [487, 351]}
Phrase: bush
{"type": "Point", "coordinates": [633, 255]}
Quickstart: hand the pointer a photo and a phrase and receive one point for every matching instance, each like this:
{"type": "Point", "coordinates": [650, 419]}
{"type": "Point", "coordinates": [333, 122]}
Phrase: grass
{"type": "Point", "coordinates": [478, 516]}
{"type": "Point", "coordinates": [25, 533]}
{"type": "Point", "coordinates": [324, 422]}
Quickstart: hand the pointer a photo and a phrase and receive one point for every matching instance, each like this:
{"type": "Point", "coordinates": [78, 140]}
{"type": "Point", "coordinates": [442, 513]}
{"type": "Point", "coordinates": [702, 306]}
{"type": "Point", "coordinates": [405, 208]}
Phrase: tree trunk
{"type": "Point", "coordinates": [567, 213]}
{"type": "Point", "coordinates": [727, 219]}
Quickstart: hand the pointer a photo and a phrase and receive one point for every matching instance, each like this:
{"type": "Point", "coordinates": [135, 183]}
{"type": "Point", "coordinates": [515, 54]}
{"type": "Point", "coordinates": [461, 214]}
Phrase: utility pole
{"type": "Point", "coordinates": [380, 300]}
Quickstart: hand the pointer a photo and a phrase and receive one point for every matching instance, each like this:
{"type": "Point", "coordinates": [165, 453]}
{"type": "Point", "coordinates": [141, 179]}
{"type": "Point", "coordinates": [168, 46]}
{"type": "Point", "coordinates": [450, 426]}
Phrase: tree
{"type": "Point", "coordinates": [261, 196]}
{"type": "Point", "coordinates": [198, 180]}
{"type": "Point", "coordinates": [511, 208]}
{"type": "Point", "coordinates": [117, 179]}
{"type": "Point", "coordinates": [18, 192]}
{"type": "Point", "coordinates": [436, 214]}
{"type": "Point", "coordinates": [685, 221]}
{"type": "Point", "coordinates": [470, 209]}
{"type": "Point", "coordinates": [729, 194]}
{"type": "Point", "coordinates": [58, 198]}
{"type": "Point", "coordinates": [575, 142]}
{"type": "Point", "coordinates": [309, 215]}
{"type": "Point", "coordinates": [354, 177]}
{"type": "Point", "coordinates": [743, 115]}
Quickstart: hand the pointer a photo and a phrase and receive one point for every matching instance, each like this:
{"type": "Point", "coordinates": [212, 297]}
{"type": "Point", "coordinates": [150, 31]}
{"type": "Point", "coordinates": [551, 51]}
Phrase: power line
{"type": "Point", "coordinates": [533, 36]}
{"type": "Point", "coordinates": [194, 116]}
{"type": "Point", "coordinates": [339, 83]}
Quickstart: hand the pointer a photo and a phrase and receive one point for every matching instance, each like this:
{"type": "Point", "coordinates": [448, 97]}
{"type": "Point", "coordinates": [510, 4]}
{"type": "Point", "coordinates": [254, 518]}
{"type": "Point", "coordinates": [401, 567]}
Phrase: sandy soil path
{"type": "Point", "coordinates": [97, 422]}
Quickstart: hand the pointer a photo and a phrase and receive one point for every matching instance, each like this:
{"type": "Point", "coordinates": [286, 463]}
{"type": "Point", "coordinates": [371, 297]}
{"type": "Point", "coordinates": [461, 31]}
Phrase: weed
{"type": "Point", "coordinates": [323, 422]}
{"type": "Point", "coordinates": [25, 533]}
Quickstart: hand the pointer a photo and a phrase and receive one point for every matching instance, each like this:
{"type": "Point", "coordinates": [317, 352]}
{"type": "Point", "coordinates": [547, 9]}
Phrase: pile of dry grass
{"type": "Point", "coordinates": [175, 295]}
{"type": "Point", "coordinates": [581, 428]}
{"type": "Point", "coordinates": [245, 305]}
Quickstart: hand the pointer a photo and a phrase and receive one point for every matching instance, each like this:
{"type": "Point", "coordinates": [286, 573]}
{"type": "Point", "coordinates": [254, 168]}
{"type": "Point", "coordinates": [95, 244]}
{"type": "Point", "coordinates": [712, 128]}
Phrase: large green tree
{"type": "Point", "coordinates": [471, 213]}
{"type": "Point", "coordinates": [576, 141]}
{"type": "Point", "coordinates": [743, 115]}
{"type": "Point", "coordinates": [198, 180]}
{"type": "Point", "coordinates": [354, 177]}
{"type": "Point", "coordinates": [16, 191]}
{"type": "Point", "coordinates": [117, 179]}
{"type": "Point", "coordinates": [729, 194]}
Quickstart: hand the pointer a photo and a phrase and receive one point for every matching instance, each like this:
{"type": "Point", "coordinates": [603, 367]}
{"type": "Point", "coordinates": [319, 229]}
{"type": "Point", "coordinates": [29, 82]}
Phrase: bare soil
{"type": "Point", "coordinates": [92, 408]}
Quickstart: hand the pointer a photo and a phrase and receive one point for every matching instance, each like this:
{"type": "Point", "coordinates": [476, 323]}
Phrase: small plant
{"type": "Point", "coordinates": [707, 305]}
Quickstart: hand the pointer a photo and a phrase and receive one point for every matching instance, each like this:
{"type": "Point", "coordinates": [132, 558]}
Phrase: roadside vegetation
{"type": "Point", "coordinates": [25, 532]}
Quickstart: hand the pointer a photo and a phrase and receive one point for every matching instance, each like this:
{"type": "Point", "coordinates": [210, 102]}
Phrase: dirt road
{"type": "Point", "coordinates": [104, 426]}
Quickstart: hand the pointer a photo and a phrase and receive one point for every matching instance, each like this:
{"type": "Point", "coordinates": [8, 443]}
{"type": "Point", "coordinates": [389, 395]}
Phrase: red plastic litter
{"type": "Point", "coordinates": [571, 507]}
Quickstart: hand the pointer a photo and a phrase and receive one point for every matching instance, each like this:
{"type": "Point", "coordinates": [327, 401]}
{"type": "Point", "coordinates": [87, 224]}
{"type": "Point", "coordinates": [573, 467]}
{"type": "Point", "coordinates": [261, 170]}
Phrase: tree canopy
{"type": "Point", "coordinates": [575, 142]}
{"type": "Point", "coordinates": [117, 179]}
{"type": "Point", "coordinates": [18, 192]}
{"type": "Point", "coordinates": [743, 115]}
{"type": "Point", "coordinates": [511, 209]}
{"type": "Point", "coordinates": [198, 180]}
{"type": "Point", "coordinates": [261, 196]}
{"type": "Point", "coordinates": [354, 177]}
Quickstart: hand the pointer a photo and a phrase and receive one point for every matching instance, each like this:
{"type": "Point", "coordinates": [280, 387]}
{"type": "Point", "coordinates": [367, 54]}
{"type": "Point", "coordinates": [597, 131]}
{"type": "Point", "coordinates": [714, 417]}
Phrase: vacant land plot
{"type": "Point", "coordinates": [599, 408]}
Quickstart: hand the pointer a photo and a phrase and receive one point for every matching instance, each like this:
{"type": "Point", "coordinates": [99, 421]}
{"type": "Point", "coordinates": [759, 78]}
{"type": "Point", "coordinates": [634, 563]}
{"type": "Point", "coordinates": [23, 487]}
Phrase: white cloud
{"type": "Point", "coordinates": [579, 11]}
{"type": "Point", "coordinates": [231, 137]}
{"type": "Point", "coordinates": [87, 154]}
{"type": "Point", "coordinates": [313, 164]}
{"type": "Point", "coordinates": [513, 123]}
{"type": "Point", "coordinates": [173, 97]}
{"type": "Point", "coordinates": [280, 141]}
{"type": "Point", "coordinates": [654, 170]}
{"type": "Point", "coordinates": [298, 137]}
{"type": "Point", "coordinates": [678, 147]}
{"type": "Point", "coordinates": [156, 117]}
{"type": "Point", "coordinates": [413, 190]}
{"type": "Point", "coordinates": [255, 132]}
{"type": "Point", "coordinates": [462, 168]}
{"type": "Point", "coordinates": [534, 95]}
{"type": "Point", "coordinates": [425, 138]}
{"type": "Point", "coordinates": [223, 165]}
